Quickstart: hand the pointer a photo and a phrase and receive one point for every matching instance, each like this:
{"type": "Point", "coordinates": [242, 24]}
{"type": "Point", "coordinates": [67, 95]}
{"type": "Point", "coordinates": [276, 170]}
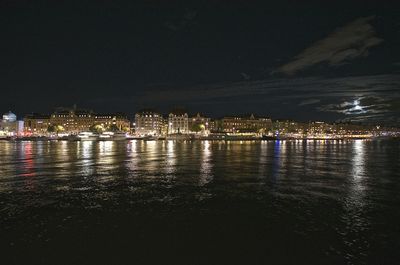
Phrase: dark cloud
{"type": "Point", "coordinates": [355, 98]}
{"type": "Point", "coordinates": [310, 101]}
{"type": "Point", "coordinates": [347, 43]}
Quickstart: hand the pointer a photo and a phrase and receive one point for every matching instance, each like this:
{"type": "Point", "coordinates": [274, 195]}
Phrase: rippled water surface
{"type": "Point", "coordinates": [202, 202]}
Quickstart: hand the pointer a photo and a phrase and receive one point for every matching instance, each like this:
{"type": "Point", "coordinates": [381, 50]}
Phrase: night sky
{"type": "Point", "coordinates": [284, 59]}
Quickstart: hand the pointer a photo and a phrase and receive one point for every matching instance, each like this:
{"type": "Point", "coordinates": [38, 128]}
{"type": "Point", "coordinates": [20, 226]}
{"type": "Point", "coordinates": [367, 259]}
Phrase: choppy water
{"type": "Point", "coordinates": [209, 202]}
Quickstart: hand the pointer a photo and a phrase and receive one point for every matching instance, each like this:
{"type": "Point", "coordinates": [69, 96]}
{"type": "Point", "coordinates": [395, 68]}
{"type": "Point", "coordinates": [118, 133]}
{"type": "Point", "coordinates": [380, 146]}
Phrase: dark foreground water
{"type": "Point", "coordinates": [166, 202]}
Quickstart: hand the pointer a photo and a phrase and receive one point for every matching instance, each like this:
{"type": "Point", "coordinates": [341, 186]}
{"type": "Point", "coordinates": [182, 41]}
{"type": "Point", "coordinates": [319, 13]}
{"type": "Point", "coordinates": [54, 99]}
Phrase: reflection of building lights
{"type": "Point", "coordinates": [206, 165]}
{"type": "Point", "coordinates": [106, 147]}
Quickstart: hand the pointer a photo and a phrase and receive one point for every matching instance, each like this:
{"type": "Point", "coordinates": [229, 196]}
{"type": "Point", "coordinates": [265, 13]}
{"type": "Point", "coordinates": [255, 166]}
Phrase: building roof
{"type": "Point", "coordinates": [37, 116]}
{"type": "Point", "coordinates": [246, 117]}
{"type": "Point", "coordinates": [117, 115]}
{"type": "Point", "coordinates": [147, 111]}
{"type": "Point", "coordinates": [178, 111]}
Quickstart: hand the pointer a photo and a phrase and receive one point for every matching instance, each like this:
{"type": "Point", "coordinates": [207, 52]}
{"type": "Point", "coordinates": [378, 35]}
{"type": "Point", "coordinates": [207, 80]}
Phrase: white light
{"type": "Point", "coordinates": [357, 105]}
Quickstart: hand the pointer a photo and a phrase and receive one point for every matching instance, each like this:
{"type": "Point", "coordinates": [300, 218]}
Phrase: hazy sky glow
{"type": "Point", "coordinates": [306, 60]}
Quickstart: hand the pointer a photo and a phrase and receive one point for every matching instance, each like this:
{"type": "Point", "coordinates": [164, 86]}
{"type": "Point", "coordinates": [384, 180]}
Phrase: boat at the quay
{"type": "Point", "coordinates": [88, 136]}
{"type": "Point", "coordinates": [113, 136]}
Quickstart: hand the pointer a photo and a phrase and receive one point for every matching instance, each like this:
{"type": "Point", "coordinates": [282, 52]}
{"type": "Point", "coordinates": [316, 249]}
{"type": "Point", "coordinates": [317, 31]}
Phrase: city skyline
{"type": "Point", "coordinates": [74, 123]}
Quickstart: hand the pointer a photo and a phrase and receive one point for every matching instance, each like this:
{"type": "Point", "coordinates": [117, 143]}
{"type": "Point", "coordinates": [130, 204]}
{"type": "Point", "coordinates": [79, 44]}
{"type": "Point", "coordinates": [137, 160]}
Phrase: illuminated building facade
{"type": "Point", "coordinates": [10, 126]}
{"type": "Point", "coordinates": [72, 120]}
{"type": "Point", "coordinates": [178, 122]}
{"type": "Point", "coordinates": [151, 123]}
{"type": "Point", "coordinates": [164, 127]}
{"type": "Point", "coordinates": [36, 124]}
{"type": "Point", "coordinates": [118, 121]}
{"type": "Point", "coordinates": [318, 128]}
{"type": "Point", "coordinates": [213, 126]}
{"type": "Point", "coordinates": [250, 124]}
{"type": "Point", "coordinates": [9, 117]}
{"type": "Point", "coordinates": [148, 122]}
{"type": "Point", "coordinates": [199, 124]}
{"type": "Point", "coordinates": [289, 128]}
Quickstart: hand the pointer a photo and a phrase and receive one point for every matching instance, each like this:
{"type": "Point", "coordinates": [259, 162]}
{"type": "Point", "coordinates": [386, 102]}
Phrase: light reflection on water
{"type": "Point", "coordinates": [264, 161]}
{"type": "Point", "coordinates": [318, 185]}
{"type": "Point", "coordinates": [28, 160]}
{"type": "Point", "coordinates": [170, 158]}
{"type": "Point", "coordinates": [206, 164]}
{"type": "Point", "coordinates": [86, 153]}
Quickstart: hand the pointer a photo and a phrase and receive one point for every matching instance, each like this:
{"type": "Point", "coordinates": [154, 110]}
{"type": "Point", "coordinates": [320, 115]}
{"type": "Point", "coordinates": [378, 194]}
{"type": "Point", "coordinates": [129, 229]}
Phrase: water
{"type": "Point", "coordinates": [209, 202]}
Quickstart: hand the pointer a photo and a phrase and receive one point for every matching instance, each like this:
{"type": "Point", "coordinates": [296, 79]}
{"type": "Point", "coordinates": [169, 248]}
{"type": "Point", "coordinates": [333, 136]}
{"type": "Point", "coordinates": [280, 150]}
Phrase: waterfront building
{"type": "Point", "coordinates": [164, 126]}
{"type": "Point", "coordinates": [212, 126]}
{"type": "Point", "coordinates": [122, 122]}
{"type": "Point", "coordinates": [110, 121]}
{"type": "Point", "coordinates": [10, 126]}
{"type": "Point", "coordinates": [148, 123]}
{"type": "Point", "coordinates": [9, 117]}
{"type": "Point", "coordinates": [216, 126]}
{"type": "Point", "coordinates": [249, 124]}
{"type": "Point", "coordinates": [72, 120]}
{"type": "Point", "coordinates": [289, 128]}
{"type": "Point", "coordinates": [318, 128]}
{"type": "Point", "coordinates": [178, 122]}
{"type": "Point", "coordinates": [353, 129]}
{"type": "Point", "coordinates": [199, 124]}
{"type": "Point", "coordinates": [36, 124]}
